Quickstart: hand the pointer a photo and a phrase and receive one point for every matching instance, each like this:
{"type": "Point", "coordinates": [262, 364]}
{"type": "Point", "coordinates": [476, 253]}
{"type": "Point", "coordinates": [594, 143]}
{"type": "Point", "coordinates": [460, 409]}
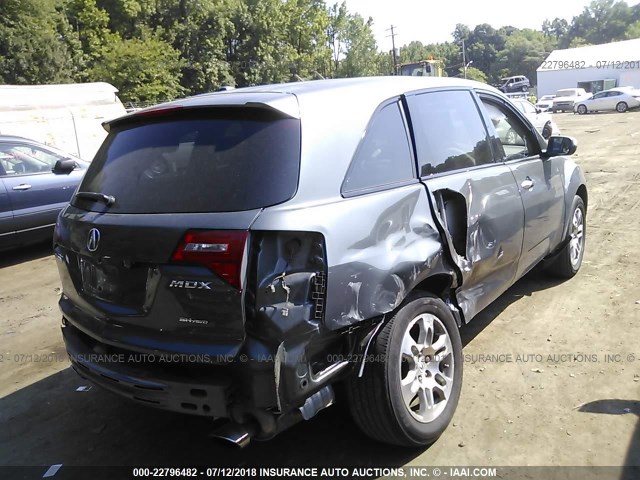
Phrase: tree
{"type": "Point", "coordinates": [483, 45]}
{"type": "Point", "coordinates": [144, 69]}
{"type": "Point", "coordinates": [35, 44]}
{"type": "Point", "coordinates": [129, 17]}
{"type": "Point", "coordinates": [307, 34]}
{"type": "Point", "coordinates": [633, 31]}
{"type": "Point", "coordinates": [601, 22]}
{"type": "Point", "coordinates": [361, 49]}
{"type": "Point", "coordinates": [558, 28]}
{"type": "Point", "coordinates": [523, 52]}
{"type": "Point", "coordinates": [414, 52]}
{"type": "Point", "coordinates": [90, 25]}
{"type": "Point", "coordinates": [474, 74]}
{"type": "Point", "coordinates": [461, 32]}
{"type": "Point", "coordinates": [578, 42]}
{"type": "Point", "coordinates": [336, 35]}
{"type": "Point", "coordinates": [199, 30]}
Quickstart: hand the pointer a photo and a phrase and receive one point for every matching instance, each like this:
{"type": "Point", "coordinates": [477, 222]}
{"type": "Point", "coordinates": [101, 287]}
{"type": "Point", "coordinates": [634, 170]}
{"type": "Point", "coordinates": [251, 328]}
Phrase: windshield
{"type": "Point", "coordinates": [220, 161]}
{"type": "Point", "coordinates": [566, 93]}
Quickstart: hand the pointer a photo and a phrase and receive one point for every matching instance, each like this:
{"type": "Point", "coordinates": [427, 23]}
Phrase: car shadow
{"type": "Point", "coordinates": [536, 280]}
{"type": "Point", "coordinates": [631, 469]}
{"type": "Point", "coordinates": [49, 423]}
{"type": "Point", "coordinates": [10, 258]}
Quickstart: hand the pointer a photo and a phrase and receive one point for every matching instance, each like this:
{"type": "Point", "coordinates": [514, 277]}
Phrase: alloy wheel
{"type": "Point", "coordinates": [576, 242]}
{"type": "Point", "coordinates": [426, 367]}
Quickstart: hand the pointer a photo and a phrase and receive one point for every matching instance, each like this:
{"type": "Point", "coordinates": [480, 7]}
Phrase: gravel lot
{"type": "Point", "coordinates": [552, 374]}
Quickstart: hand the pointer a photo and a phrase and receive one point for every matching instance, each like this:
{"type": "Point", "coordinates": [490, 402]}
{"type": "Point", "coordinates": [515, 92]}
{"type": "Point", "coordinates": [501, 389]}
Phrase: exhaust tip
{"type": "Point", "coordinates": [232, 433]}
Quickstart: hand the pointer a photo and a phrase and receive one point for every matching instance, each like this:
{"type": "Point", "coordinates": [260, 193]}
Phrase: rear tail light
{"type": "Point", "coordinates": [219, 250]}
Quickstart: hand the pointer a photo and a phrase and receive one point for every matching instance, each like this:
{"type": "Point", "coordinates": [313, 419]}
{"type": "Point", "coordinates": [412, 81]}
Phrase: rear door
{"type": "Point", "coordinates": [36, 193]}
{"type": "Point", "coordinates": [540, 182]}
{"type": "Point", "coordinates": [477, 200]}
{"type": "Point", "coordinates": [611, 100]}
{"type": "Point", "coordinates": [162, 266]}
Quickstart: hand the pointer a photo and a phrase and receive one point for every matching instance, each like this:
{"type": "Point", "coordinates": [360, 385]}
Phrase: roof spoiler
{"type": "Point", "coordinates": [285, 105]}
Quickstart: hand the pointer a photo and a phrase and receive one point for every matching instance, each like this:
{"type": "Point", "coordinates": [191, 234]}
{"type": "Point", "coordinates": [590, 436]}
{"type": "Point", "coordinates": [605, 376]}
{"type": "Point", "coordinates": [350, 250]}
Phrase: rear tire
{"type": "Point", "coordinates": [410, 389]}
{"type": "Point", "coordinates": [569, 260]}
{"type": "Point", "coordinates": [622, 107]}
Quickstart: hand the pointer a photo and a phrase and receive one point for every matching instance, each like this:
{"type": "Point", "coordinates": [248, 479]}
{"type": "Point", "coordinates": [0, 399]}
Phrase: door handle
{"type": "Point", "coordinates": [527, 184]}
{"type": "Point", "coordinates": [22, 186]}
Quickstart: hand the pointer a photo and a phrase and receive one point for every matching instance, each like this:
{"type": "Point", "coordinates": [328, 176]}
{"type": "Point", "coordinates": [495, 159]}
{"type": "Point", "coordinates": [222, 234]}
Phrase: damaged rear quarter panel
{"type": "Point", "coordinates": [378, 246]}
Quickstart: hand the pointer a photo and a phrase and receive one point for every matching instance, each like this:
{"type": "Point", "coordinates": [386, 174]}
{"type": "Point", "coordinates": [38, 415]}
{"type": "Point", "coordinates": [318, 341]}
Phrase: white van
{"type": "Point", "coordinates": [68, 117]}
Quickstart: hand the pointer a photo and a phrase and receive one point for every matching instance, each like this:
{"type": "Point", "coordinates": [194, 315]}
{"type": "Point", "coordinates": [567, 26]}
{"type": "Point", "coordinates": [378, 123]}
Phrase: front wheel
{"type": "Point", "coordinates": [582, 109]}
{"type": "Point", "coordinates": [568, 261]}
{"type": "Point", "coordinates": [622, 107]}
{"type": "Point", "coordinates": [409, 391]}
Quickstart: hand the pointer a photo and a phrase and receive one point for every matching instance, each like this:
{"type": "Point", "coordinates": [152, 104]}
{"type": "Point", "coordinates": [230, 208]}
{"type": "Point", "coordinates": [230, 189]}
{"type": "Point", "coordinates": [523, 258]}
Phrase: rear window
{"type": "Point", "coordinates": [221, 160]}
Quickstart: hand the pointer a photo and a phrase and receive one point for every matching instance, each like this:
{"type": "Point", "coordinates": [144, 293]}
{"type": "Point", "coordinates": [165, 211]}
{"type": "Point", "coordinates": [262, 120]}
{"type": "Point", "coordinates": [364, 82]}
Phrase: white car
{"type": "Point", "coordinates": [618, 99]}
{"type": "Point", "coordinates": [545, 103]}
{"type": "Point", "coordinates": [540, 119]}
{"type": "Point", "coordinates": [567, 98]}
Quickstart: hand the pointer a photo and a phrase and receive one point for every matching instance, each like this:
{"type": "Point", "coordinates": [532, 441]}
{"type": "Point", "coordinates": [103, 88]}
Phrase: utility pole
{"type": "Point", "coordinates": [393, 43]}
{"type": "Point", "coordinates": [464, 59]}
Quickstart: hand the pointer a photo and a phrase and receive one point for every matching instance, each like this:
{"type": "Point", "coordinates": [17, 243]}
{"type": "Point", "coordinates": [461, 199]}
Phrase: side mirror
{"type": "Point", "coordinates": [558, 145]}
{"type": "Point", "coordinates": [538, 110]}
{"type": "Point", "coordinates": [64, 166]}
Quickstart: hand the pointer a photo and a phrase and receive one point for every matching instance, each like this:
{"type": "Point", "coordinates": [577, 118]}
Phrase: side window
{"type": "Point", "coordinates": [383, 157]}
{"type": "Point", "coordinates": [25, 159]}
{"type": "Point", "coordinates": [513, 139]}
{"type": "Point", "coordinates": [449, 132]}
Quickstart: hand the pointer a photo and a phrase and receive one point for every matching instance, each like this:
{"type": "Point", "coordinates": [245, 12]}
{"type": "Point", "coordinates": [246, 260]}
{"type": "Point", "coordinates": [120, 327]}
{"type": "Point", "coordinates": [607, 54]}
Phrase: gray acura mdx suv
{"type": "Point", "coordinates": [237, 255]}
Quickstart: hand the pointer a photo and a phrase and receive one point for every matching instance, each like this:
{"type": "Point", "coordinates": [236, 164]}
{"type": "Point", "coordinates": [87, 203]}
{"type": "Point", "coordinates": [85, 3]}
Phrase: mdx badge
{"type": "Point", "coordinates": [191, 284]}
{"type": "Point", "coordinates": [94, 240]}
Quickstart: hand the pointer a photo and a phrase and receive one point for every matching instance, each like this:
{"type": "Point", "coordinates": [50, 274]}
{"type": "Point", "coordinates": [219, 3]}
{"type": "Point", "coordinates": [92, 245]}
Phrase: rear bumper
{"type": "Point", "coordinates": [261, 377]}
{"type": "Point", "coordinates": [146, 379]}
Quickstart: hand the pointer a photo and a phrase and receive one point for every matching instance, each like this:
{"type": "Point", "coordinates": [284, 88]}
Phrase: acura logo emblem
{"type": "Point", "coordinates": [93, 240]}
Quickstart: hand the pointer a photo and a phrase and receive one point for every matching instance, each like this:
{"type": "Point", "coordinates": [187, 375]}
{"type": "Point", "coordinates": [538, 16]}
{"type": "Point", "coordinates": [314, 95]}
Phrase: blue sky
{"type": "Point", "coordinates": [432, 21]}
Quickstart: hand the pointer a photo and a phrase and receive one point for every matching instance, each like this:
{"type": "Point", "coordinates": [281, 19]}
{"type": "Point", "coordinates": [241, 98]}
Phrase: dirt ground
{"type": "Point", "coordinates": [552, 369]}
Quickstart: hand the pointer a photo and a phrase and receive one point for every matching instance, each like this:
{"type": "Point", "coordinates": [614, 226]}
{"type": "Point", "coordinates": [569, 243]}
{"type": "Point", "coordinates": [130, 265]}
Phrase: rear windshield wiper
{"type": "Point", "coordinates": [97, 197]}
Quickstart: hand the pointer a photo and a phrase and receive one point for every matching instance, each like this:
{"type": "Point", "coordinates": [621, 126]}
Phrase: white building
{"type": "Point", "coordinates": [594, 68]}
{"type": "Point", "coordinates": [68, 117]}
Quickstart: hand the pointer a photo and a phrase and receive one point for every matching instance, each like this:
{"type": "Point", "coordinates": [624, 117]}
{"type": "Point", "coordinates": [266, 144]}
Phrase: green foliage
{"type": "Point", "coordinates": [158, 49]}
{"type": "Point", "coordinates": [361, 49]}
{"type": "Point", "coordinates": [523, 52]}
{"type": "Point", "coordinates": [633, 31]}
{"type": "Point", "coordinates": [602, 21]}
{"type": "Point", "coordinates": [143, 69]}
{"type": "Point", "coordinates": [474, 74]}
{"type": "Point", "coordinates": [33, 48]}
{"type": "Point", "coordinates": [578, 42]}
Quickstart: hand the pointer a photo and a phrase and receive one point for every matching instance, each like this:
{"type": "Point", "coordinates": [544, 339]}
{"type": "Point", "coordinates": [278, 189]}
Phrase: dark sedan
{"type": "Point", "coordinates": [36, 182]}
